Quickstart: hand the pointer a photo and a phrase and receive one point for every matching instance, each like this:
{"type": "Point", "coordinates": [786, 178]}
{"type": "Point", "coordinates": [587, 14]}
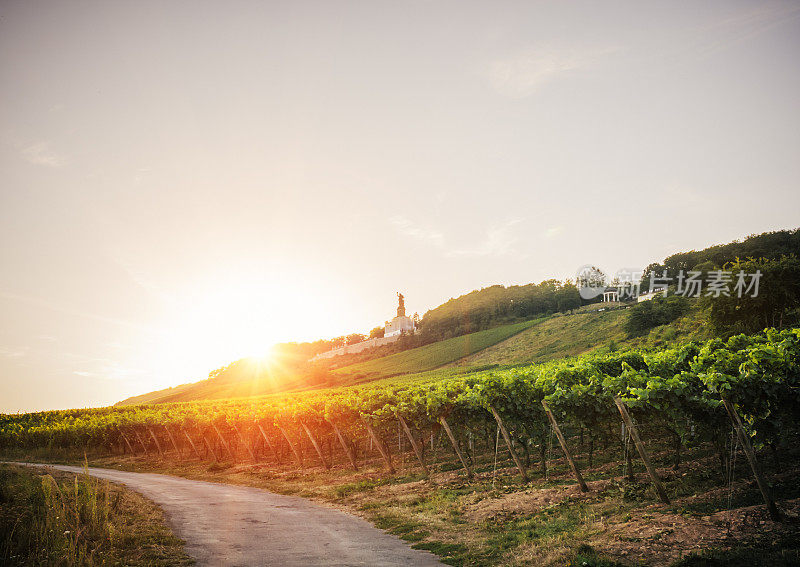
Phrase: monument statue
{"type": "Point", "coordinates": [401, 305]}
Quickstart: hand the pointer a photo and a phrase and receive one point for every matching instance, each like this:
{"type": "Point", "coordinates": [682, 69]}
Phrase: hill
{"type": "Point", "coordinates": [571, 335]}
{"type": "Point", "coordinates": [281, 372]}
{"type": "Point", "coordinates": [250, 377]}
{"type": "Point", "coordinates": [494, 305]}
{"type": "Point", "coordinates": [548, 338]}
{"type": "Point", "coordinates": [538, 340]}
{"type": "Point", "coordinates": [436, 354]}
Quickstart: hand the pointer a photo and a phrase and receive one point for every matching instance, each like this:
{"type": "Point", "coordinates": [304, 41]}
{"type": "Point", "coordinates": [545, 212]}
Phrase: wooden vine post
{"type": "Point", "coordinates": [172, 440]}
{"type": "Point", "coordinates": [244, 442]}
{"type": "Point", "coordinates": [141, 441]}
{"type": "Point", "coordinates": [223, 441]}
{"type": "Point", "coordinates": [744, 439]}
{"type": "Point", "coordinates": [297, 454]}
{"type": "Point", "coordinates": [386, 457]}
{"type": "Point", "coordinates": [414, 444]}
{"type": "Point", "coordinates": [507, 438]}
{"type": "Point", "coordinates": [563, 442]}
{"type": "Point", "coordinates": [662, 494]}
{"type": "Point", "coordinates": [453, 441]}
{"type": "Point", "coordinates": [209, 446]}
{"type": "Point", "coordinates": [343, 442]}
{"type": "Point", "coordinates": [316, 446]}
{"type": "Point", "coordinates": [128, 443]}
{"type": "Point", "coordinates": [158, 445]}
{"type": "Point", "coordinates": [191, 443]}
{"type": "Point", "coordinates": [268, 442]}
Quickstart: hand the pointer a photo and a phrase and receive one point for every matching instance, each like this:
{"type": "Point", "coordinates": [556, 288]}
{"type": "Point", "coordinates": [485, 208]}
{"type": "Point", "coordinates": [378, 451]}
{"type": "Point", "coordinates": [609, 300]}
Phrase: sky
{"type": "Point", "coordinates": [186, 183]}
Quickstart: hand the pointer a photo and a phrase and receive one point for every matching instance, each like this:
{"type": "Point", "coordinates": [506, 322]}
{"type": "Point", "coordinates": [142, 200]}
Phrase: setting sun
{"type": "Point", "coordinates": [210, 327]}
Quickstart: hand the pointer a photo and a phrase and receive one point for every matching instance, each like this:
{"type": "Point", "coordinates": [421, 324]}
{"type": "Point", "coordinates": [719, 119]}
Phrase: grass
{"type": "Point", "coordinates": [572, 335]}
{"type": "Point", "coordinates": [567, 335]}
{"type": "Point", "coordinates": [59, 518]}
{"type": "Point", "coordinates": [437, 354]}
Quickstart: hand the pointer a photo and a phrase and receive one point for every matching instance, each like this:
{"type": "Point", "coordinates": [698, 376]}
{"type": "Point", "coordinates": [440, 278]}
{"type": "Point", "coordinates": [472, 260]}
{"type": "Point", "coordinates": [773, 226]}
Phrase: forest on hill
{"type": "Point", "coordinates": [767, 245]}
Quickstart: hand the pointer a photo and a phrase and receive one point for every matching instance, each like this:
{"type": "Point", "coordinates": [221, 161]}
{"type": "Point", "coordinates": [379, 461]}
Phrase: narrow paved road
{"type": "Point", "coordinates": [226, 525]}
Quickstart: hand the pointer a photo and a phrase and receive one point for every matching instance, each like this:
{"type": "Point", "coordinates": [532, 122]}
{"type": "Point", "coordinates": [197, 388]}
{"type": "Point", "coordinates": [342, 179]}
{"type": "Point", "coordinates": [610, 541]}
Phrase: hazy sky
{"type": "Point", "coordinates": [184, 184]}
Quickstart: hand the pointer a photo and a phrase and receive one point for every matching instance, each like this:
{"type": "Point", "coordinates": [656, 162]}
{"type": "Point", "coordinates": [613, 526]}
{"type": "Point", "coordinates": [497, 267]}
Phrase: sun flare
{"type": "Point", "coordinates": [211, 328]}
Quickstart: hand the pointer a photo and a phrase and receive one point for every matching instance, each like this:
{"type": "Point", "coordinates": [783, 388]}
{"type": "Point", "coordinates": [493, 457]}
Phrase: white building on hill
{"type": "Point", "coordinates": [392, 331]}
{"type": "Point", "coordinates": [401, 323]}
{"type": "Point", "coordinates": [611, 294]}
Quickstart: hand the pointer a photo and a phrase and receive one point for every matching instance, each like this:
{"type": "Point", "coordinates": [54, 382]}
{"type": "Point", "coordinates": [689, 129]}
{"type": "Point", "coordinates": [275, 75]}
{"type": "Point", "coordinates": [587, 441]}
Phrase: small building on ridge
{"type": "Point", "coordinates": [400, 324]}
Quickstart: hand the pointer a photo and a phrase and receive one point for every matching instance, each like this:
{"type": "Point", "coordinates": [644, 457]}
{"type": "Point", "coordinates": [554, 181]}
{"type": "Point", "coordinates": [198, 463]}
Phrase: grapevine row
{"type": "Point", "coordinates": [677, 391]}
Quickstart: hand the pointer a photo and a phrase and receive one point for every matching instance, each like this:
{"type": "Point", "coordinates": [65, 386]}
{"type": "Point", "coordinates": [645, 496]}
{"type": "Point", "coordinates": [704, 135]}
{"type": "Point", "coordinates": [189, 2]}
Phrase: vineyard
{"type": "Point", "coordinates": [678, 395]}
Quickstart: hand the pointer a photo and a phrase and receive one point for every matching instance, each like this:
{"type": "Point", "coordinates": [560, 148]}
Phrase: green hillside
{"type": "Point", "coordinates": [567, 335]}
{"type": "Point", "coordinates": [436, 354]}
{"type": "Point", "coordinates": [571, 335]}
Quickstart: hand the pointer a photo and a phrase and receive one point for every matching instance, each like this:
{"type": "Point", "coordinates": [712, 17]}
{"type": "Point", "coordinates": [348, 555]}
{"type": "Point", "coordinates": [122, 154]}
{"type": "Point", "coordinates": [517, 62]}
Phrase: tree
{"type": "Point", "coordinates": [354, 338]}
{"type": "Point", "coordinates": [776, 305]}
{"type": "Point", "coordinates": [377, 333]}
{"type": "Point", "coordinates": [658, 311]}
{"type": "Point", "coordinates": [769, 245]}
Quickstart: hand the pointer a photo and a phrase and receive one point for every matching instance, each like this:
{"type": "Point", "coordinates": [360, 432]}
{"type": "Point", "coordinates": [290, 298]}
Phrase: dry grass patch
{"type": "Point", "coordinates": [50, 517]}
